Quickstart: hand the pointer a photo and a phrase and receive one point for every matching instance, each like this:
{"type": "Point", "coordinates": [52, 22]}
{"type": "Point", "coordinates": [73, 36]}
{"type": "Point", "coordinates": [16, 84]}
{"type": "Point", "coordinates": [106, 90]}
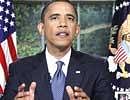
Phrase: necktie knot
{"type": "Point", "coordinates": [59, 65]}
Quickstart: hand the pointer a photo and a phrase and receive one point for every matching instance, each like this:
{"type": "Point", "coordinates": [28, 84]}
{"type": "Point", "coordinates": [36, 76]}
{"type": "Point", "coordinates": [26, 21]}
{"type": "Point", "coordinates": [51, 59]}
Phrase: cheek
{"type": "Point", "coordinates": [74, 31]}
{"type": "Point", "coordinates": [48, 29]}
{"type": "Point", "coordinates": [72, 28]}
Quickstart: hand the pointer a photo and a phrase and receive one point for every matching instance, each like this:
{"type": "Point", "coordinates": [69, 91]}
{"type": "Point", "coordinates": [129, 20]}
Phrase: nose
{"type": "Point", "coordinates": [63, 22]}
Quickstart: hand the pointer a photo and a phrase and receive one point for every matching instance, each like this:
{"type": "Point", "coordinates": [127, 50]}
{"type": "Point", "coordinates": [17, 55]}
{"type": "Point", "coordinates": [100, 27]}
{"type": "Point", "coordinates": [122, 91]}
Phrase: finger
{"type": "Point", "coordinates": [32, 87]}
{"type": "Point", "coordinates": [77, 89]}
{"type": "Point", "coordinates": [70, 92]}
{"type": "Point", "coordinates": [81, 96]}
{"type": "Point", "coordinates": [21, 87]}
{"type": "Point", "coordinates": [79, 93]}
{"type": "Point", "coordinates": [32, 90]}
{"type": "Point", "coordinates": [21, 95]}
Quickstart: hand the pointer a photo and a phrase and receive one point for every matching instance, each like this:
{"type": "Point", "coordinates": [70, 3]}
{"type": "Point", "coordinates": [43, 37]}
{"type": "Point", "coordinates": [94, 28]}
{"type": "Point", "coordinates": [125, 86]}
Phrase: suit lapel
{"type": "Point", "coordinates": [42, 78]}
{"type": "Point", "coordinates": [75, 73]}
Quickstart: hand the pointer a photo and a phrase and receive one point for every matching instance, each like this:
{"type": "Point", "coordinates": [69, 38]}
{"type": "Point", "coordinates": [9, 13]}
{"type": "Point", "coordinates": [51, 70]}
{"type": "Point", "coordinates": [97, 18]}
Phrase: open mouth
{"type": "Point", "coordinates": [62, 34]}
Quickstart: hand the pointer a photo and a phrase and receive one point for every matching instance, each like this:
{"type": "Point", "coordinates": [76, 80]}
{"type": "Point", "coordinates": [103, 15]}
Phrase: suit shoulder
{"type": "Point", "coordinates": [26, 63]}
{"type": "Point", "coordinates": [94, 62]}
{"type": "Point", "coordinates": [90, 58]}
{"type": "Point", "coordinates": [28, 59]}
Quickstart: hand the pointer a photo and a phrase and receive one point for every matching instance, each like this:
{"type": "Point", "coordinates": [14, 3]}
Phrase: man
{"type": "Point", "coordinates": [32, 78]}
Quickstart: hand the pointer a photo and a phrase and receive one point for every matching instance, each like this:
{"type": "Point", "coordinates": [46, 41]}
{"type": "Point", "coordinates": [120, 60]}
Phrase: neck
{"type": "Point", "coordinates": [58, 53]}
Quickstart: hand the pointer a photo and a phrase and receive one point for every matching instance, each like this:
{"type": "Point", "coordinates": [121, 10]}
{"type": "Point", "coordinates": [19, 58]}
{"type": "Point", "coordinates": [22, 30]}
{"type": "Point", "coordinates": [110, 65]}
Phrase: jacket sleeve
{"type": "Point", "coordinates": [12, 84]}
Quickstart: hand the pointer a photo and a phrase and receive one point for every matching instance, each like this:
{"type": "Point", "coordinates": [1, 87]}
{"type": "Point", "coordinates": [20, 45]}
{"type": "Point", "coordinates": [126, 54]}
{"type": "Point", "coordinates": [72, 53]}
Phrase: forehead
{"type": "Point", "coordinates": [60, 7]}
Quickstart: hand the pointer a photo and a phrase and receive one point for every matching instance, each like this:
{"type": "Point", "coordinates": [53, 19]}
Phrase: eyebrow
{"type": "Point", "coordinates": [56, 14]}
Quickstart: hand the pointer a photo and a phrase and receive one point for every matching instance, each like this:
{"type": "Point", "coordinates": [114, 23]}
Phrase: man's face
{"type": "Point", "coordinates": [60, 26]}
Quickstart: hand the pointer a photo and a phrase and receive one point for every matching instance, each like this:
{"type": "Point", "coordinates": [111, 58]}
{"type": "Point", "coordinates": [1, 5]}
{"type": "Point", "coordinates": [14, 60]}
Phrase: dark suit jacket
{"type": "Point", "coordinates": [93, 77]}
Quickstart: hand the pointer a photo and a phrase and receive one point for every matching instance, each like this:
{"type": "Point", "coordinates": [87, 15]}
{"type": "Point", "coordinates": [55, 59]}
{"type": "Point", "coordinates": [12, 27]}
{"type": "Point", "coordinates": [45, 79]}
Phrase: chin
{"type": "Point", "coordinates": [63, 47]}
{"type": "Point", "coordinates": [63, 43]}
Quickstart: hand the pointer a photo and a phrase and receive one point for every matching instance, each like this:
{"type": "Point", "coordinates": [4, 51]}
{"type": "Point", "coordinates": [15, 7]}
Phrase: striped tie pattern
{"type": "Point", "coordinates": [58, 82]}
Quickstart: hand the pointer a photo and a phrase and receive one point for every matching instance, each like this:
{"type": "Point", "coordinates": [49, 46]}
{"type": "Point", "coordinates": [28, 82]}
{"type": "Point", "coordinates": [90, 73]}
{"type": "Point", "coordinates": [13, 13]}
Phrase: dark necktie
{"type": "Point", "coordinates": [58, 82]}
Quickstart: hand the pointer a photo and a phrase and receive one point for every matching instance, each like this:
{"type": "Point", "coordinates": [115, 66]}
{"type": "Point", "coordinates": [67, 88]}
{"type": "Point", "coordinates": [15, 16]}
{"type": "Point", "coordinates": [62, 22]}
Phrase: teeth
{"type": "Point", "coordinates": [62, 33]}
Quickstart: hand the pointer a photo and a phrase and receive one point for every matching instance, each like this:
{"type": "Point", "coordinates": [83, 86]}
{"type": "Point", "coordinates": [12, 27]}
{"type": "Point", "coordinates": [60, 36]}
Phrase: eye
{"type": "Point", "coordinates": [53, 17]}
{"type": "Point", "coordinates": [71, 18]}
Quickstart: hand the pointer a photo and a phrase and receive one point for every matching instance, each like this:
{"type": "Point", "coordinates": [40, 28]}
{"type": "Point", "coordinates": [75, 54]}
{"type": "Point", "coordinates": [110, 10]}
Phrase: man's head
{"type": "Point", "coordinates": [45, 9]}
{"type": "Point", "coordinates": [59, 25]}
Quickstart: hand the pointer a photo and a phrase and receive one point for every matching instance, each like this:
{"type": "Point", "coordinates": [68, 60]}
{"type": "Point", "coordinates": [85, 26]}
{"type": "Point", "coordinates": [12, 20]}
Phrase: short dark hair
{"type": "Point", "coordinates": [44, 10]}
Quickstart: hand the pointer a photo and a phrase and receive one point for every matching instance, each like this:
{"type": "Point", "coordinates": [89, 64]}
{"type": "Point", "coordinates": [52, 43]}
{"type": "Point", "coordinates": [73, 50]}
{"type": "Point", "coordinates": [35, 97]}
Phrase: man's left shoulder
{"type": "Point", "coordinates": [91, 58]}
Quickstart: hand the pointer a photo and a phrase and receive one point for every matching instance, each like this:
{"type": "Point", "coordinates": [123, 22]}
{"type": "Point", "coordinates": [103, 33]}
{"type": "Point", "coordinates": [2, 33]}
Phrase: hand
{"type": "Point", "coordinates": [76, 93]}
{"type": "Point", "coordinates": [26, 95]}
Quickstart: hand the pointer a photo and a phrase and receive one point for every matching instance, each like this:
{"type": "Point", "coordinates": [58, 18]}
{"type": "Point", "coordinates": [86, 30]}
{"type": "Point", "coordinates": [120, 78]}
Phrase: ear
{"type": "Point", "coordinates": [77, 30]}
{"type": "Point", "coordinates": [40, 28]}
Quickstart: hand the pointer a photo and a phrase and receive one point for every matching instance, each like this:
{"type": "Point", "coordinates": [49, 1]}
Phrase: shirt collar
{"type": "Point", "coordinates": [51, 62]}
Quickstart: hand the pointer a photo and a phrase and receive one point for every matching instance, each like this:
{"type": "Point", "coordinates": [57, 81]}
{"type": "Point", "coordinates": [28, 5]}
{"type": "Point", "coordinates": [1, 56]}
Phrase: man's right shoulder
{"type": "Point", "coordinates": [26, 63]}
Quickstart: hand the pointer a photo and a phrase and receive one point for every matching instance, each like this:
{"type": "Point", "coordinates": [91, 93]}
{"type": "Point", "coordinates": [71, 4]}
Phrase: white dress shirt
{"type": "Point", "coordinates": [51, 62]}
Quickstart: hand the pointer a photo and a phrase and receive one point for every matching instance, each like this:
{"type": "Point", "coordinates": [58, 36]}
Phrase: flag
{"type": "Point", "coordinates": [122, 9]}
{"type": "Point", "coordinates": [119, 46]}
{"type": "Point", "coordinates": [120, 55]}
{"type": "Point", "coordinates": [7, 40]}
{"type": "Point", "coordinates": [120, 21]}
